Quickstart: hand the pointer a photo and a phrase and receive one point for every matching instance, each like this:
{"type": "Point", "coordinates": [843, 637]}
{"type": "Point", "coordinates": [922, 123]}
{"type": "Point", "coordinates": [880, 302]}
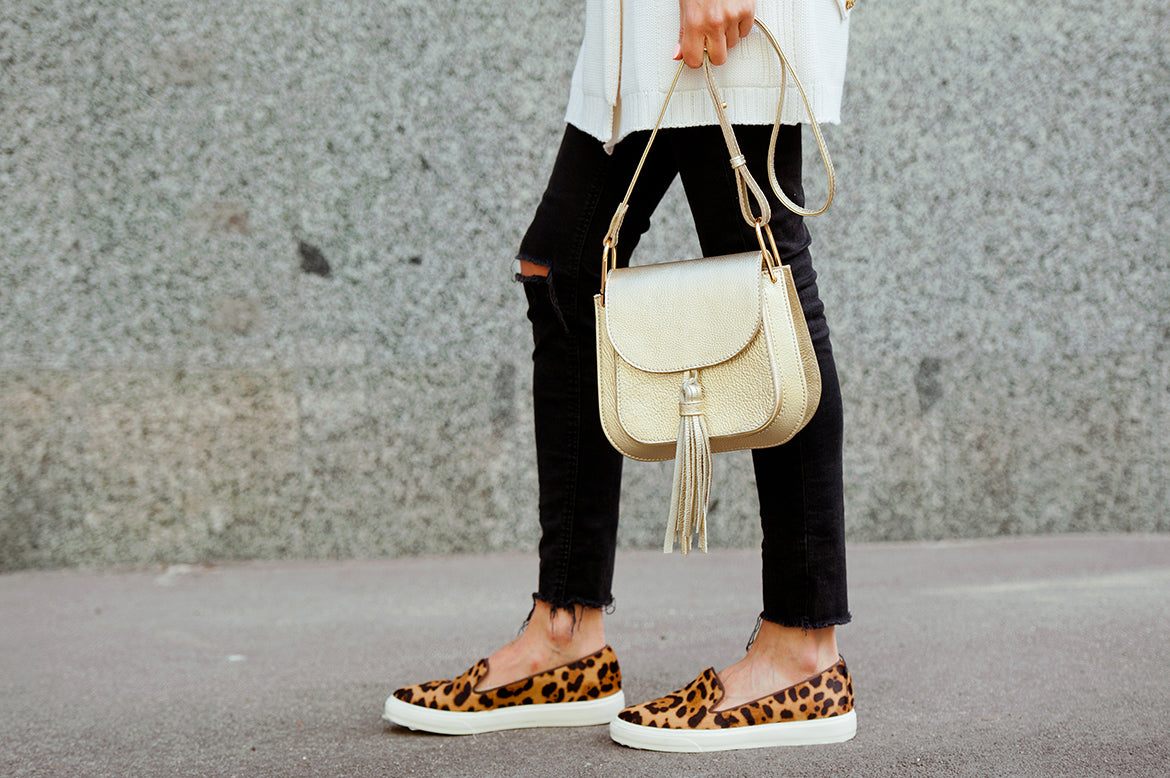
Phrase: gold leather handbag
{"type": "Point", "coordinates": [711, 354]}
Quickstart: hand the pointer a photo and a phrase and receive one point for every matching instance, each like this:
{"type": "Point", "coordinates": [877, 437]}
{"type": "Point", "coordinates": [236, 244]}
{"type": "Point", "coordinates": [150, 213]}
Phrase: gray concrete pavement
{"type": "Point", "coordinates": [1032, 657]}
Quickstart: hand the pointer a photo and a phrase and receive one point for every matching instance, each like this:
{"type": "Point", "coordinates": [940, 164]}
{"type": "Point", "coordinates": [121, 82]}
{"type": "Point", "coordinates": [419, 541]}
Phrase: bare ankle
{"type": "Point", "coordinates": [567, 629]}
{"type": "Point", "coordinates": [551, 638]}
{"type": "Point", "coordinates": [805, 651]}
{"type": "Point", "coordinates": [778, 658]}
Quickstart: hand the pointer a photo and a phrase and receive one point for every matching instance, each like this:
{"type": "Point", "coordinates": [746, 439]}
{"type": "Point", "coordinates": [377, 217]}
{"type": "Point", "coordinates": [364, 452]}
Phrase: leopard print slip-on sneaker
{"type": "Point", "coordinates": [579, 694]}
{"type": "Point", "coordinates": [819, 710]}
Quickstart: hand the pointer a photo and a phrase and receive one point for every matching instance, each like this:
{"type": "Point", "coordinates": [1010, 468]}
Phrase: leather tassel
{"type": "Point", "coordinates": [692, 471]}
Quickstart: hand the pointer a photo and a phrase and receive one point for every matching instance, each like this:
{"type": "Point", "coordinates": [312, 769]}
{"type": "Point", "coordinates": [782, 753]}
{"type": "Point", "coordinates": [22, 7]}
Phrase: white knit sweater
{"type": "Point", "coordinates": [625, 67]}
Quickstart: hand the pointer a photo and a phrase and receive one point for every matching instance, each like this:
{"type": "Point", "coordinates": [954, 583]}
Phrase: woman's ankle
{"type": "Point", "coordinates": [777, 658]}
{"type": "Point", "coordinates": [552, 637]}
{"type": "Point", "coordinates": [570, 630]}
{"type": "Point", "coordinates": [798, 650]}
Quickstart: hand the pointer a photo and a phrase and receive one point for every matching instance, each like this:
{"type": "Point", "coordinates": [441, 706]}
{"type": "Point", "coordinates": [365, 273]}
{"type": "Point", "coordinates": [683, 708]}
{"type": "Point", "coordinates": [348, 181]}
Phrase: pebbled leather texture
{"type": "Point", "coordinates": [758, 396]}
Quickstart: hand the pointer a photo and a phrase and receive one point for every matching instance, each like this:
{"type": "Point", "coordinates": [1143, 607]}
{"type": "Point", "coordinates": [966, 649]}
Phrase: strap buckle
{"type": "Point", "coordinates": [770, 259]}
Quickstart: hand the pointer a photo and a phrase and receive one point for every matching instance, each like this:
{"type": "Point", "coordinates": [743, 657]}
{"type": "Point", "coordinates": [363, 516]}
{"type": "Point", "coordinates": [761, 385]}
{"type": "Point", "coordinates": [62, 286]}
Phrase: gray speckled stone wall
{"type": "Point", "coordinates": [255, 294]}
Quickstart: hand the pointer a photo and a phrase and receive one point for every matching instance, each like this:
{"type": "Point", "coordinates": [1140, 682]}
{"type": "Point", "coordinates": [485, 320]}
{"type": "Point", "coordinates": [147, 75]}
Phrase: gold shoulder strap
{"type": "Point", "coordinates": [747, 184]}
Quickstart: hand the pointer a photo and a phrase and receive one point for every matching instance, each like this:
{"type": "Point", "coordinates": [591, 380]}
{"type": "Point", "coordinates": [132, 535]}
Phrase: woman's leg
{"type": "Point", "coordinates": [579, 472]}
{"type": "Point", "coordinates": [799, 483]}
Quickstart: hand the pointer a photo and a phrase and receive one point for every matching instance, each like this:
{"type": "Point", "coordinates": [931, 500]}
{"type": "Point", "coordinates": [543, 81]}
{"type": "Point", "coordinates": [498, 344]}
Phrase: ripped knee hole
{"type": "Point", "coordinates": [529, 269]}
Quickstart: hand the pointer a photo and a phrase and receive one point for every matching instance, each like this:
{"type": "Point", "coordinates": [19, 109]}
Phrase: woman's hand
{"type": "Point", "coordinates": [716, 24]}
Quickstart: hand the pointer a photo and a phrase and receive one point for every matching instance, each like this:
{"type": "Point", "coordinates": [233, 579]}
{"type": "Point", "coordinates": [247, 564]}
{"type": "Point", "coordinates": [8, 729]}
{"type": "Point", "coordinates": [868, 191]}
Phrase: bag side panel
{"type": "Point", "coordinates": [808, 355]}
{"type": "Point", "coordinates": [795, 360]}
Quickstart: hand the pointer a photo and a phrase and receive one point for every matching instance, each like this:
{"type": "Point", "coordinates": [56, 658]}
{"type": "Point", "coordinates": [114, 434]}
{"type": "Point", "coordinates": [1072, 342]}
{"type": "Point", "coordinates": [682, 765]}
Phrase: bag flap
{"type": "Point", "coordinates": [679, 316]}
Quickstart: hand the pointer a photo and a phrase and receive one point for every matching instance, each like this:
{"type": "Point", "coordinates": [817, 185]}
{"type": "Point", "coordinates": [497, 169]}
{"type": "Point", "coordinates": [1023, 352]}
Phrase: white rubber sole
{"type": "Point", "coordinates": [554, 714]}
{"type": "Point", "coordinates": [835, 729]}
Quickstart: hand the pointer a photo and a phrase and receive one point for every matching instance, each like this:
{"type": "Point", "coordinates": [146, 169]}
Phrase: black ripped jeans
{"type": "Point", "coordinates": [799, 483]}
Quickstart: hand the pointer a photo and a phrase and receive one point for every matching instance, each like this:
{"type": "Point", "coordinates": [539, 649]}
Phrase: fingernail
{"type": "Point", "coordinates": [677, 51]}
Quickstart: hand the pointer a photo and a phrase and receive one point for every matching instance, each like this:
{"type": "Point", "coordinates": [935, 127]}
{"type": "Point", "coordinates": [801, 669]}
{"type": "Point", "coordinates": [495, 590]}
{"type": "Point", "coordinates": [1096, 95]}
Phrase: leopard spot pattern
{"type": "Point", "coordinates": [590, 678]}
{"type": "Point", "coordinates": [826, 694]}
